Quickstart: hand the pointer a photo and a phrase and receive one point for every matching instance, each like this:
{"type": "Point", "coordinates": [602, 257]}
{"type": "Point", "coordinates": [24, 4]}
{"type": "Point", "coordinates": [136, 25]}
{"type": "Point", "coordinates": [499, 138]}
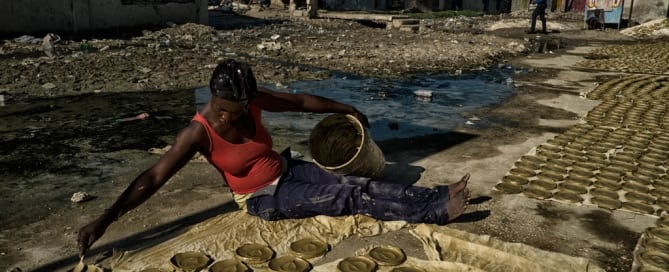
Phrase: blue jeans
{"type": "Point", "coordinates": [306, 190]}
{"type": "Point", "coordinates": [540, 11]}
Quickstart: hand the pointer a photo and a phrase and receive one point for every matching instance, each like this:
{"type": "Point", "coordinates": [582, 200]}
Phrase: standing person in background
{"type": "Point", "coordinates": [486, 6]}
{"type": "Point", "coordinates": [567, 7]}
{"type": "Point", "coordinates": [540, 11]}
{"type": "Point", "coordinates": [456, 5]}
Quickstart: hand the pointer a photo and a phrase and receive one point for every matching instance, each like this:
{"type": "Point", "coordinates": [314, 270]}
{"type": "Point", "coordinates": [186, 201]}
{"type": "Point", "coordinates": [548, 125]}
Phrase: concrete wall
{"type": "Point", "coordinates": [28, 16]}
{"type": "Point", "coordinates": [646, 10]}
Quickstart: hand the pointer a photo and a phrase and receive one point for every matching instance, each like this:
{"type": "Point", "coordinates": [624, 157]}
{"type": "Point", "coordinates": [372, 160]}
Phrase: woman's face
{"type": "Point", "coordinates": [226, 110]}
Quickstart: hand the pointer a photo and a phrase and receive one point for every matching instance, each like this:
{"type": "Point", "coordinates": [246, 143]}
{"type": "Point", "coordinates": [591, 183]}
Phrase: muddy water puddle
{"type": "Point", "coordinates": [393, 108]}
{"type": "Point", "coordinates": [52, 148]}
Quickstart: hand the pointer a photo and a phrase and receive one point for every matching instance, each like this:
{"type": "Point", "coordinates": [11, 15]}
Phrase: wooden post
{"type": "Point", "coordinates": [629, 18]}
{"type": "Point", "coordinates": [312, 8]}
{"type": "Point", "coordinates": [292, 7]}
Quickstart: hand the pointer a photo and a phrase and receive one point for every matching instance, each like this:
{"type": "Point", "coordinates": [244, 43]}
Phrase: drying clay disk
{"type": "Point", "coordinates": [656, 259]}
{"type": "Point", "coordinates": [537, 192]}
{"type": "Point", "coordinates": [229, 266]}
{"type": "Point", "coordinates": [509, 188]}
{"type": "Point", "coordinates": [357, 264]}
{"type": "Point", "coordinates": [309, 248]}
{"type": "Point", "coordinates": [82, 267]}
{"type": "Point", "coordinates": [151, 269]}
{"type": "Point", "coordinates": [636, 187]}
{"type": "Point", "coordinates": [190, 260]}
{"type": "Point", "coordinates": [638, 207]}
{"type": "Point", "coordinates": [640, 197]}
{"type": "Point", "coordinates": [289, 264]}
{"type": "Point", "coordinates": [605, 202]}
{"type": "Point", "coordinates": [513, 179]}
{"type": "Point", "coordinates": [388, 255]}
{"type": "Point", "coordinates": [660, 233]}
{"type": "Point", "coordinates": [545, 184]}
{"type": "Point", "coordinates": [574, 187]}
{"type": "Point", "coordinates": [568, 196]}
{"type": "Point", "coordinates": [656, 244]}
{"type": "Point", "coordinates": [522, 172]}
{"type": "Point", "coordinates": [407, 269]}
{"type": "Point", "coordinates": [255, 253]}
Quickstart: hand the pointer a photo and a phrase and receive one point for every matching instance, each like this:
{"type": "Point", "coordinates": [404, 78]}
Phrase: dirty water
{"type": "Point", "coordinates": [392, 107]}
{"type": "Point", "coordinates": [52, 148]}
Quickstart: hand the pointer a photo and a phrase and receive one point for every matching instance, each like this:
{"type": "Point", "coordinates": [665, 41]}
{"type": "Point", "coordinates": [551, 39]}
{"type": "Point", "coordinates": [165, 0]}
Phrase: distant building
{"type": "Point", "coordinates": [28, 16]}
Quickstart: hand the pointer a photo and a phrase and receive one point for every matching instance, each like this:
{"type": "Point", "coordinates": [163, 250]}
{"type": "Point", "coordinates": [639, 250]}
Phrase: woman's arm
{"type": "Point", "coordinates": [279, 102]}
{"type": "Point", "coordinates": [146, 184]}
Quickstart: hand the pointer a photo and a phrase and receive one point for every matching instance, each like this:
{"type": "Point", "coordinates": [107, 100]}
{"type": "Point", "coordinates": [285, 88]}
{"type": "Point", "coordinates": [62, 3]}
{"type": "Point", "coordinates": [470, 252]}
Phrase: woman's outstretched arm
{"type": "Point", "coordinates": [145, 185]}
{"type": "Point", "coordinates": [279, 102]}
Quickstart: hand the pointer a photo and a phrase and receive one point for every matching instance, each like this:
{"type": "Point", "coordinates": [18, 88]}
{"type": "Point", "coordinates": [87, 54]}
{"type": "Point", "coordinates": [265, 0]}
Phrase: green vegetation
{"type": "Point", "coordinates": [445, 14]}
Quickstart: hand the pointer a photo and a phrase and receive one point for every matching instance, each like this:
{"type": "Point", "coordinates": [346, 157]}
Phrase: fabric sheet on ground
{"type": "Point", "coordinates": [445, 248]}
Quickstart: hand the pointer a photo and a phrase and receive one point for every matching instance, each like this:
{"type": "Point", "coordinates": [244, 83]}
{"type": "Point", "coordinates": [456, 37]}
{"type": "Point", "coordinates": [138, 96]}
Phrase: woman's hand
{"type": "Point", "coordinates": [269, 100]}
{"type": "Point", "coordinates": [90, 233]}
{"type": "Point", "coordinates": [361, 117]}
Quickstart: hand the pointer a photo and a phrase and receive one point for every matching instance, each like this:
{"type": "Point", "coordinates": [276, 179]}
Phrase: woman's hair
{"type": "Point", "coordinates": [234, 81]}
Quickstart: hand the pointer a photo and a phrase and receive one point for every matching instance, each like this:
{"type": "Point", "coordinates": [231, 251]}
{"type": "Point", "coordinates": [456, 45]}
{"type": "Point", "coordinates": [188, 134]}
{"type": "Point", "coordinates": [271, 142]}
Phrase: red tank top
{"type": "Point", "coordinates": [249, 166]}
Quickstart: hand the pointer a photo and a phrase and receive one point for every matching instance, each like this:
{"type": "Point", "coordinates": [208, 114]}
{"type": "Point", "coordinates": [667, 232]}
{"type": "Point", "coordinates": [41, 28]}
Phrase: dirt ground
{"type": "Point", "coordinates": [41, 237]}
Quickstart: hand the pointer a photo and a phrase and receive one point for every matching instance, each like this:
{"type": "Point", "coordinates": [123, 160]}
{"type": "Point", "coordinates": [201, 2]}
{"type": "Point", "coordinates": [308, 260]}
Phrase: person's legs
{"type": "Point", "coordinates": [307, 190]}
{"type": "Point", "coordinates": [456, 5]}
{"type": "Point", "coordinates": [542, 15]}
{"type": "Point", "coordinates": [533, 24]}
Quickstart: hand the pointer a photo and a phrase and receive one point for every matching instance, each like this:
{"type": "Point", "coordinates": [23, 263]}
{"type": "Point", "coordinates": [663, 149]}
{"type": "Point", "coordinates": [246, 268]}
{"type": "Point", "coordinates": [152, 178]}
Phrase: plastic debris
{"type": "Point", "coordinates": [79, 197]}
{"type": "Point", "coordinates": [48, 44]}
{"type": "Point", "coordinates": [141, 116]}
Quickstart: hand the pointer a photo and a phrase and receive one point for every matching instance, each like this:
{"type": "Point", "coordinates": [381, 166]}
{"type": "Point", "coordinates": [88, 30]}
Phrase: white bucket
{"type": "Point", "coordinates": [341, 145]}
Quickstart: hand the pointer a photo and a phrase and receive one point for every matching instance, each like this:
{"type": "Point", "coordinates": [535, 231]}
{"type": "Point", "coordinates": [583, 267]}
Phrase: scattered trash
{"type": "Point", "coordinates": [141, 116]}
{"type": "Point", "coordinates": [165, 43]}
{"type": "Point", "coordinates": [79, 197]}
{"type": "Point", "coordinates": [48, 86]}
{"type": "Point", "coordinates": [28, 39]}
{"type": "Point", "coordinates": [509, 81]}
{"type": "Point", "coordinates": [275, 37]}
{"type": "Point", "coordinates": [423, 93]}
{"type": "Point", "coordinates": [48, 44]}
{"type": "Point", "coordinates": [104, 48]}
{"type": "Point", "coordinates": [469, 123]}
{"type": "Point", "coordinates": [145, 70]}
{"type": "Point", "coordinates": [85, 46]}
{"type": "Point", "coordinates": [295, 155]}
{"type": "Point", "coordinates": [269, 46]}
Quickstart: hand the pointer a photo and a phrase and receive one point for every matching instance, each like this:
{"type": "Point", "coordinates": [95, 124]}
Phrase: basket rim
{"type": "Point", "coordinates": [365, 135]}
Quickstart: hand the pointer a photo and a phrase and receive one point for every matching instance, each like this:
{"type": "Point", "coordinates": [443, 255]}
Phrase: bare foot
{"type": "Point", "coordinates": [455, 188]}
{"type": "Point", "coordinates": [456, 205]}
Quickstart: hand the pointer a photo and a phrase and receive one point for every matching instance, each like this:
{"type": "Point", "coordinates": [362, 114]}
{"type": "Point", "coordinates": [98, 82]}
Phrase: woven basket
{"type": "Point", "coordinates": [341, 145]}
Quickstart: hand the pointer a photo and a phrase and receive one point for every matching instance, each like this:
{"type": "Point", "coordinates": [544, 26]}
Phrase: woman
{"type": "Point", "coordinates": [229, 133]}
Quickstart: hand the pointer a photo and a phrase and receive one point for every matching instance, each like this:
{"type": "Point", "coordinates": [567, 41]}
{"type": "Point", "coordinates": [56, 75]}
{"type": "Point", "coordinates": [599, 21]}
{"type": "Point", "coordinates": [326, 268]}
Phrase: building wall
{"type": "Point", "coordinates": [646, 10]}
{"type": "Point", "coordinates": [29, 16]}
